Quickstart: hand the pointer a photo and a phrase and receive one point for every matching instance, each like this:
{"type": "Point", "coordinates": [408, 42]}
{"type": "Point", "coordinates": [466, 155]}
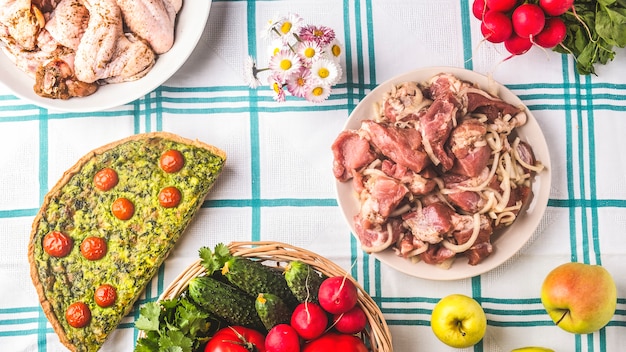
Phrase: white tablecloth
{"type": "Point", "coordinates": [278, 184]}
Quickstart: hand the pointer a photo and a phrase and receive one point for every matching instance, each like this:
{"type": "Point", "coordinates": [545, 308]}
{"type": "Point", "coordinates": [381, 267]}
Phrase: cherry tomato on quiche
{"type": "Point", "coordinates": [169, 197]}
{"type": "Point", "coordinates": [123, 208]}
{"type": "Point", "coordinates": [105, 179]}
{"type": "Point", "coordinates": [78, 314]}
{"type": "Point", "coordinates": [93, 248]}
{"type": "Point", "coordinates": [236, 339]}
{"type": "Point", "coordinates": [105, 295]}
{"type": "Point", "coordinates": [57, 244]}
{"type": "Point", "coordinates": [172, 161]}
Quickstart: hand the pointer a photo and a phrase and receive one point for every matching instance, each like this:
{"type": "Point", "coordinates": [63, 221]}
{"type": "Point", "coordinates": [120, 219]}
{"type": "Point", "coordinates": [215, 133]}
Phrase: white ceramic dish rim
{"type": "Point", "coordinates": [505, 244]}
{"type": "Point", "coordinates": [190, 25]}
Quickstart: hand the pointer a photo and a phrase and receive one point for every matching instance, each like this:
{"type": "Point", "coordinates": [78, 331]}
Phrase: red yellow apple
{"type": "Point", "coordinates": [580, 298]}
{"type": "Point", "coordinates": [458, 321]}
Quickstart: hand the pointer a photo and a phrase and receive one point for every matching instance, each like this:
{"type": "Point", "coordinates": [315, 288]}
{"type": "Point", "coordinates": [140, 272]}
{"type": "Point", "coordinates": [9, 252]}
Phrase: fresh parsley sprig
{"type": "Point", "coordinates": [173, 325]}
{"type": "Point", "coordinates": [213, 261]}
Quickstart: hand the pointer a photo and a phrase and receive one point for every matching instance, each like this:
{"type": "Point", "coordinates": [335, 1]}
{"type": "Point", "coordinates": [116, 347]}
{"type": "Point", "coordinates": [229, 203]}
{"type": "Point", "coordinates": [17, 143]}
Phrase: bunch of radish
{"type": "Point", "coordinates": [327, 325]}
{"type": "Point", "coordinates": [522, 24]}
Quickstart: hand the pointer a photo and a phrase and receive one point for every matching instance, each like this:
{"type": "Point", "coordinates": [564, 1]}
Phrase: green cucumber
{"type": "Point", "coordinates": [272, 310]}
{"type": "Point", "coordinates": [303, 281]}
{"type": "Point", "coordinates": [225, 302]}
{"type": "Point", "coordinates": [250, 276]}
{"type": "Point", "coordinates": [253, 277]}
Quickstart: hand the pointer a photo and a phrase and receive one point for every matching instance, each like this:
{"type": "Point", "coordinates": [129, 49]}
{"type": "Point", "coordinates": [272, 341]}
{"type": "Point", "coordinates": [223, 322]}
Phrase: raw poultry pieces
{"type": "Point", "coordinates": [71, 47]}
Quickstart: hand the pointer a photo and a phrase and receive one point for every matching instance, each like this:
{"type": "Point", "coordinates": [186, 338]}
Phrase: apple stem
{"type": "Point", "coordinates": [459, 325]}
{"type": "Point", "coordinates": [562, 317]}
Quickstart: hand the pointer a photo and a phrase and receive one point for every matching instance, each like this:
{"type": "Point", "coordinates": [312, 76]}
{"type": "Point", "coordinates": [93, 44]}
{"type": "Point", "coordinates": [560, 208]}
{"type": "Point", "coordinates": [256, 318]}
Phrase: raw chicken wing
{"type": "Point", "coordinates": [105, 52]}
{"type": "Point", "coordinates": [151, 20]}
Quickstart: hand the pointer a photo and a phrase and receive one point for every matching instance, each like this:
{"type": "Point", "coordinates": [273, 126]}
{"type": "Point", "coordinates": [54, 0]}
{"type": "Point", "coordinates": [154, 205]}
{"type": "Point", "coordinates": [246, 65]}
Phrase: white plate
{"type": "Point", "coordinates": [506, 242]}
{"type": "Point", "coordinates": [189, 27]}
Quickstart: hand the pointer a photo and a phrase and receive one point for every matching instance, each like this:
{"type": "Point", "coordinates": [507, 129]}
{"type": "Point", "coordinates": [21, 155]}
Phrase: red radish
{"type": "Point", "coordinates": [337, 295]}
{"type": "Point", "coordinates": [517, 45]}
{"type": "Point", "coordinates": [282, 338]}
{"type": "Point", "coordinates": [501, 5]}
{"type": "Point", "coordinates": [496, 27]}
{"type": "Point", "coordinates": [556, 7]}
{"type": "Point", "coordinates": [528, 20]}
{"type": "Point", "coordinates": [350, 322]}
{"type": "Point", "coordinates": [479, 8]}
{"type": "Point", "coordinates": [309, 320]}
{"type": "Point", "coordinates": [552, 34]}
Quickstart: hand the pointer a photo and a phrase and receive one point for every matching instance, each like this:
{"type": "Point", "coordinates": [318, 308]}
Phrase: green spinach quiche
{"type": "Point", "coordinates": [105, 228]}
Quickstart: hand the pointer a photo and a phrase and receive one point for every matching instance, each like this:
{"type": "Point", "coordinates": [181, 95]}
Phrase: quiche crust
{"type": "Point", "coordinates": [137, 247]}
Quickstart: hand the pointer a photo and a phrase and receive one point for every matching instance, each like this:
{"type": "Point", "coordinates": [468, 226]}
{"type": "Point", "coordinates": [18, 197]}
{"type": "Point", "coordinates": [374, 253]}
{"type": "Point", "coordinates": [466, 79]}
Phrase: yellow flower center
{"type": "Point", "coordinates": [336, 50]}
{"type": "Point", "coordinates": [276, 50]}
{"type": "Point", "coordinates": [317, 91]}
{"type": "Point", "coordinates": [323, 72]}
{"type": "Point", "coordinates": [285, 64]}
{"type": "Point", "coordinates": [285, 28]}
{"type": "Point", "coordinates": [300, 82]}
{"type": "Point", "coordinates": [276, 87]}
{"type": "Point", "coordinates": [309, 52]}
{"type": "Point", "coordinates": [318, 33]}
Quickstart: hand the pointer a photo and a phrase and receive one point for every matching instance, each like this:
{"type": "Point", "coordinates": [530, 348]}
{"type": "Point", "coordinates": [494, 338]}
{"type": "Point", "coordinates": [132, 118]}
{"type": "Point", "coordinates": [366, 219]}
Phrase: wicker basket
{"type": "Point", "coordinates": [279, 254]}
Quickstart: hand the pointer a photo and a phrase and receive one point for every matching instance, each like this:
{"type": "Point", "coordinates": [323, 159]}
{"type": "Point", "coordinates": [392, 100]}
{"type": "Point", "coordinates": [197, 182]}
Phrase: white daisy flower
{"type": "Point", "coordinates": [285, 27]}
{"type": "Point", "coordinates": [298, 82]}
{"type": "Point", "coordinates": [334, 50]}
{"type": "Point", "coordinates": [309, 51]}
{"type": "Point", "coordinates": [317, 93]}
{"type": "Point", "coordinates": [326, 71]}
{"type": "Point", "coordinates": [250, 73]}
{"type": "Point", "coordinates": [276, 46]}
{"type": "Point", "coordinates": [270, 31]}
{"type": "Point", "coordinates": [290, 25]}
{"type": "Point", "coordinates": [284, 63]}
{"type": "Point", "coordinates": [277, 86]}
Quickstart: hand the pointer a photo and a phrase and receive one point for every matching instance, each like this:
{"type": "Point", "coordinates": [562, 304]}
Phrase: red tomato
{"type": "Point", "coordinates": [123, 209]}
{"type": "Point", "coordinates": [236, 339]}
{"type": "Point", "coordinates": [93, 248]}
{"type": "Point", "coordinates": [172, 161]}
{"type": "Point", "coordinates": [78, 314]}
{"type": "Point", "coordinates": [169, 197]}
{"type": "Point", "coordinates": [105, 295]}
{"type": "Point", "coordinates": [57, 244]}
{"type": "Point", "coordinates": [332, 341]}
{"type": "Point", "coordinates": [105, 179]}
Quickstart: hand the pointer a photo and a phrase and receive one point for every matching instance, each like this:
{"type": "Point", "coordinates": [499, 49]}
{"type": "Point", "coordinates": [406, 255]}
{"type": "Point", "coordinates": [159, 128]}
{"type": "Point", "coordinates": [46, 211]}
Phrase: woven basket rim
{"type": "Point", "coordinates": [378, 331]}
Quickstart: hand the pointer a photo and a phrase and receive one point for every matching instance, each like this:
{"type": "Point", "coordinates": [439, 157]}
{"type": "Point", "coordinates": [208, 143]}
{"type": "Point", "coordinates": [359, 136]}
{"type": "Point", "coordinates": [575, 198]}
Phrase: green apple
{"type": "Point", "coordinates": [532, 349]}
{"type": "Point", "coordinates": [458, 321]}
{"type": "Point", "coordinates": [580, 298]}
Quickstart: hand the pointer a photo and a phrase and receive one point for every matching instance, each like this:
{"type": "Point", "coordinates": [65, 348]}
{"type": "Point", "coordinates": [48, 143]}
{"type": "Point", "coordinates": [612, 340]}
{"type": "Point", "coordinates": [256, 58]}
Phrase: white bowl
{"type": "Point", "coordinates": [506, 242]}
{"type": "Point", "coordinates": [189, 27]}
